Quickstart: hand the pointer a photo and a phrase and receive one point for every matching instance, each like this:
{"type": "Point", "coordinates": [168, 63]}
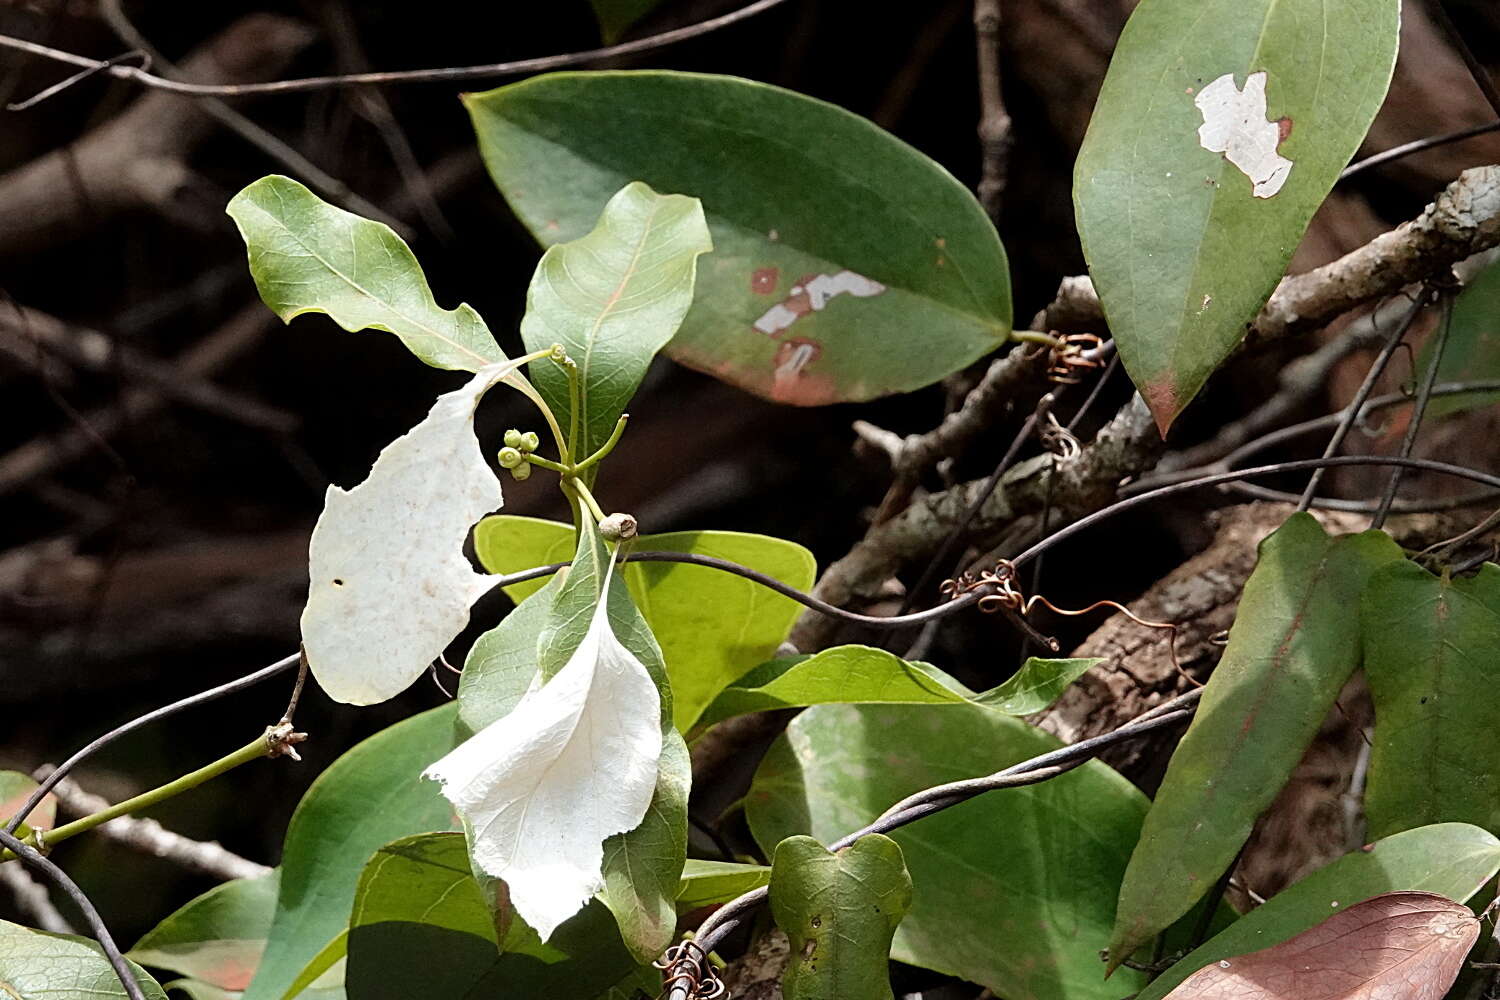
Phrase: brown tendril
{"type": "Point", "coordinates": [685, 965]}
{"type": "Point", "coordinates": [1073, 355]}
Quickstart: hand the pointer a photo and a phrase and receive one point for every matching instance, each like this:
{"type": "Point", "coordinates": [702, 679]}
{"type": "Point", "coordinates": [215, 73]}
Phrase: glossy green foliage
{"type": "Point", "coordinates": [35, 965]}
{"type": "Point", "coordinates": [713, 627]}
{"type": "Point", "coordinates": [422, 926]}
{"type": "Point", "coordinates": [308, 256]}
{"type": "Point", "coordinates": [847, 265]}
{"type": "Point", "coordinates": [1472, 352]}
{"type": "Point", "coordinates": [1183, 244]}
{"type": "Point", "coordinates": [1450, 859]}
{"type": "Point", "coordinates": [369, 796]}
{"type": "Point", "coordinates": [705, 883]}
{"type": "Point", "coordinates": [1013, 889]}
{"type": "Point", "coordinates": [1295, 642]}
{"type": "Point", "coordinates": [1431, 647]}
{"type": "Point", "coordinates": [839, 912]}
{"type": "Point", "coordinates": [613, 298]}
{"type": "Point", "coordinates": [869, 676]}
{"type": "Point", "coordinates": [215, 940]}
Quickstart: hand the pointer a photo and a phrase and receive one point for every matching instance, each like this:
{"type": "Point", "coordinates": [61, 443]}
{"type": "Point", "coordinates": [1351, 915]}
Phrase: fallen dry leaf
{"type": "Point", "coordinates": [1395, 946]}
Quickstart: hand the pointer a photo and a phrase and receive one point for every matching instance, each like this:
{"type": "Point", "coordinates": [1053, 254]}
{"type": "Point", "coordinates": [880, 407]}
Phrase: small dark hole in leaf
{"type": "Point", "coordinates": [338, 583]}
{"type": "Point", "coordinates": [1424, 701]}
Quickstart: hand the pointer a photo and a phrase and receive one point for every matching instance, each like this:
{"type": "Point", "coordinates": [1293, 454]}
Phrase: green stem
{"type": "Point", "coordinates": [575, 400]}
{"type": "Point", "coordinates": [547, 463]}
{"type": "Point", "coordinates": [1034, 337]}
{"type": "Point", "coordinates": [607, 446]}
{"type": "Point", "coordinates": [587, 497]}
{"type": "Point", "coordinates": [261, 746]}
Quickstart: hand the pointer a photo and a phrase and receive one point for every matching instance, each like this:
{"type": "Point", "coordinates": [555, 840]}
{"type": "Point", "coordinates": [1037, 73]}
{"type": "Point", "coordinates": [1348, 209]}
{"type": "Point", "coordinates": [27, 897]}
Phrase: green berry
{"type": "Point", "coordinates": [510, 458]}
{"type": "Point", "coordinates": [513, 438]}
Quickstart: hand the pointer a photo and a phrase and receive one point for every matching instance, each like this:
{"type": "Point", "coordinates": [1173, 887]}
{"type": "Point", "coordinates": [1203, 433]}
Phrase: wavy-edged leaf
{"type": "Point", "coordinates": [1294, 643]}
{"type": "Point", "coordinates": [309, 256]}
{"type": "Point", "coordinates": [1451, 859]}
{"type": "Point", "coordinates": [1011, 888]}
{"type": "Point", "coordinates": [713, 627]}
{"type": "Point", "coordinates": [36, 965]}
{"type": "Point", "coordinates": [705, 883]}
{"type": "Point", "coordinates": [217, 938]}
{"type": "Point", "coordinates": [421, 925]}
{"type": "Point", "coordinates": [839, 912]}
{"type": "Point", "coordinates": [1219, 130]}
{"type": "Point", "coordinates": [612, 299]}
{"type": "Point", "coordinates": [390, 585]}
{"type": "Point", "coordinates": [1394, 944]}
{"type": "Point", "coordinates": [1430, 650]}
{"type": "Point", "coordinates": [847, 265]}
{"type": "Point", "coordinates": [865, 675]}
{"type": "Point", "coordinates": [1472, 351]}
{"type": "Point", "coordinates": [368, 797]}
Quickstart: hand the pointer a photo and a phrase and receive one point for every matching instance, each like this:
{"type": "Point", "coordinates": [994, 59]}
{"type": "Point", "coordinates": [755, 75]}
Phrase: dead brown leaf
{"type": "Point", "coordinates": [1395, 946]}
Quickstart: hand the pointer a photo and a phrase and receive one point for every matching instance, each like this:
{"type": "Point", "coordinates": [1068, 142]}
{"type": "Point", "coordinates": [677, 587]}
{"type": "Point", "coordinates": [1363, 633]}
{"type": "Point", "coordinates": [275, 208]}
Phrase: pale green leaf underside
{"type": "Point", "coordinates": [35, 965]}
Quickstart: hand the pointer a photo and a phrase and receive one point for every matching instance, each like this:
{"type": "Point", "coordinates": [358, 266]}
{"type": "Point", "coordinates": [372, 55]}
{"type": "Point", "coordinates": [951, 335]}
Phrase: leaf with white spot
{"type": "Point", "coordinates": [390, 586]}
{"type": "Point", "coordinates": [574, 763]}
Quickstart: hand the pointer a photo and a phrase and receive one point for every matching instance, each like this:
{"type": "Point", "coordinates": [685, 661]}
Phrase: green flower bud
{"type": "Point", "coordinates": [529, 442]}
{"type": "Point", "coordinates": [510, 458]}
{"type": "Point", "coordinates": [513, 438]}
{"type": "Point", "coordinates": [522, 472]}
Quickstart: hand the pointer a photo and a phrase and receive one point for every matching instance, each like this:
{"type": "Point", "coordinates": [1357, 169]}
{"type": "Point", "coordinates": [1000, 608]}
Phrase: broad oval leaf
{"type": "Point", "coordinates": [713, 627]}
{"type": "Point", "coordinates": [847, 265]}
{"type": "Point", "coordinates": [1472, 351]}
{"type": "Point", "coordinates": [368, 797]}
{"type": "Point", "coordinates": [36, 965]}
{"type": "Point", "coordinates": [612, 299]}
{"type": "Point", "coordinates": [1430, 648]}
{"type": "Point", "coordinates": [864, 675]}
{"type": "Point", "coordinates": [308, 256]}
{"type": "Point", "coordinates": [574, 763]}
{"type": "Point", "coordinates": [418, 901]}
{"type": "Point", "coordinates": [390, 585]}
{"type": "Point", "coordinates": [1406, 944]}
{"type": "Point", "coordinates": [217, 938]}
{"type": "Point", "coordinates": [1293, 645]}
{"type": "Point", "coordinates": [839, 911]}
{"type": "Point", "coordinates": [1450, 859]}
{"type": "Point", "coordinates": [1219, 130]}
{"type": "Point", "coordinates": [1011, 889]}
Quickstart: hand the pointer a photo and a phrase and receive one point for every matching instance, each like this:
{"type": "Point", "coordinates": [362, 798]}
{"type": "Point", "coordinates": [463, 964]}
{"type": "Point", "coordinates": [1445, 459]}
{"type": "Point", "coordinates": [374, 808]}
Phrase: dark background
{"type": "Point", "coordinates": [148, 551]}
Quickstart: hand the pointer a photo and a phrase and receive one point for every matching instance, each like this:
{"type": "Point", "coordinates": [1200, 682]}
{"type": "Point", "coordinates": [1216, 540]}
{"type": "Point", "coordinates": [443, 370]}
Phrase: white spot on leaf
{"type": "Point", "coordinates": [390, 586]}
{"type": "Point", "coordinates": [812, 295]}
{"type": "Point", "coordinates": [575, 762]}
{"type": "Point", "coordinates": [1234, 123]}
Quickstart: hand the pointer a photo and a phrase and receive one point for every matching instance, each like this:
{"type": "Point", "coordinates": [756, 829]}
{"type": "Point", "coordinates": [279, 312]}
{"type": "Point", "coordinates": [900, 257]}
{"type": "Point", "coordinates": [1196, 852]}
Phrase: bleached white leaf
{"type": "Point", "coordinates": [390, 586]}
{"type": "Point", "coordinates": [1234, 123]}
{"type": "Point", "coordinates": [574, 763]}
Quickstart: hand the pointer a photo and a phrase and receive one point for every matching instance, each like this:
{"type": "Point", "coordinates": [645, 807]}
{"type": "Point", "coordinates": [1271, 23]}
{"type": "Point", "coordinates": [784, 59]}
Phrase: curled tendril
{"type": "Point", "coordinates": [1073, 355]}
{"type": "Point", "coordinates": [685, 965]}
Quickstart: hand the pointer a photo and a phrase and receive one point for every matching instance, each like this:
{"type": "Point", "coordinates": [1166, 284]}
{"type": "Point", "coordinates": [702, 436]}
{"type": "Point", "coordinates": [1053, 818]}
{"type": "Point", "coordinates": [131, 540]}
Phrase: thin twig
{"type": "Point", "coordinates": [442, 75]}
{"type": "Point", "coordinates": [33, 900]}
{"type": "Point", "coordinates": [1414, 422]}
{"type": "Point", "coordinates": [1417, 146]}
{"type": "Point", "coordinates": [994, 121]}
{"type": "Point", "coordinates": [1476, 68]}
{"type": "Point", "coordinates": [32, 859]}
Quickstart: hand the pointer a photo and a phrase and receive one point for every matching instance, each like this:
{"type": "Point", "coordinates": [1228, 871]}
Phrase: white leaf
{"type": "Point", "coordinates": [390, 586]}
{"type": "Point", "coordinates": [574, 763]}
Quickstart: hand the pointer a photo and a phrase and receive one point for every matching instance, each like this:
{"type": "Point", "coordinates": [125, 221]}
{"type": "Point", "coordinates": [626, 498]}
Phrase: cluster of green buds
{"type": "Point", "coordinates": [517, 447]}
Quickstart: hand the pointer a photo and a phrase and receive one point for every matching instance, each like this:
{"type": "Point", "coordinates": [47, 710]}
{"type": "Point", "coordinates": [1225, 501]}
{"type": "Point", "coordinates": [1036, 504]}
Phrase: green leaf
{"type": "Point", "coordinates": [217, 938]}
{"type": "Point", "coordinates": [864, 675]}
{"type": "Point", "coordinates": [643, 868]}
{"type": "Point", "coordinates": [1012, 889]}
{"type": "Point", "coordinates": [612, 299]}
{"type": "Point", "coordinates": [1473, 348]}
{"type": "Point", "coordinates": [369, 796]}
{"type": "Point", "coordinates": [1430, 648]}
{"type": "Point", "coordinates": [1182, 250]}
{"type": "Point", "coordinates": [713, 626]}
{"type": "Point", "coordinates": [868, 267]}
{"type": "Point", "coordinates": [421, 925]}
{"type": "Point", "coordinates": [617, 15]}
{"type": "Point", "coordinates": [308, 256]}
{"type": "Point", "coordinates": [1450, 859]}
{"type": "Point", "coordinates": [15, 789]}
{"type": "Point", "coordinates": [35, 965]}
{"type": "Point", "coordinates": [706, 883]}
{"type": "Point", "coordinates": [839, 912]}
{"type": "Point", "coordinates": [1293, 645]}
{"type": "Point", "coordinates": [502, 663]}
